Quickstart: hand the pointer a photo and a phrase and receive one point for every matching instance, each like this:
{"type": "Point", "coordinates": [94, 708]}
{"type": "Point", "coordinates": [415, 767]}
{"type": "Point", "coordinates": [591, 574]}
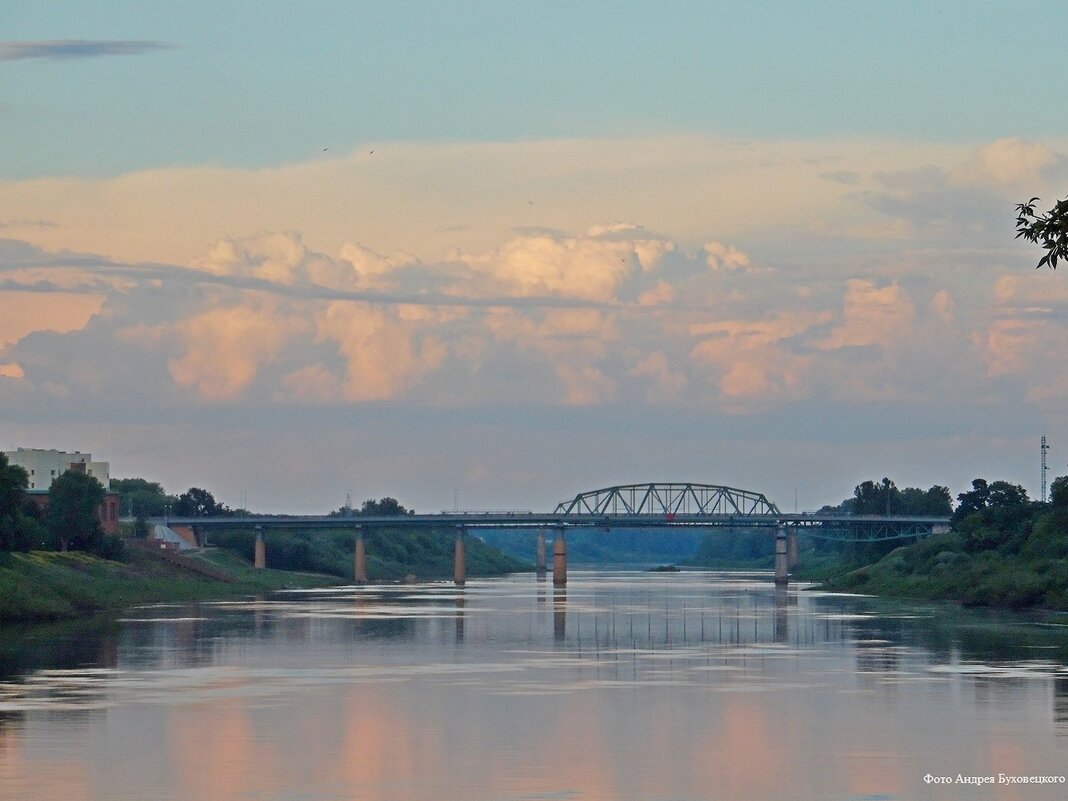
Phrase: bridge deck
{"type": "Point", "coordinates": [538, 519]}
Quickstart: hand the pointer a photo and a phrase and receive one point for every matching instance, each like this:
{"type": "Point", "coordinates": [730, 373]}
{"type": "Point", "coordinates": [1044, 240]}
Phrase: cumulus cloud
{"type": "Point", "coordinates": [961, 202]}
{"type": "Point", "coordinates": [384, 353]}
{"type": "Point", "coordinates": [224, 347]}
{"type": "Point", "coordinates": [26, 308]}
{"type": "Point", "coordinates": [665, 383]}
{"type": "Point", "coordinates": [1008, 162]}
{"type": "Point", "coordinates": [750, 358]}
{"type": "Point", "coordinates": [269, 316]}
{"type": "Point", "coordinates": [1007, 342]}
{"type": "Point", "coordinates": [943, 306]}
{"type": "Point", "coordinates": [363, 299]}
{"type": "Point", "coordinates": [872, 315]}
{"type": "Point", "coordinates": [582, 268]}
{"type": "Point", "coordinates": [614, 314]}
{"type": "Point", "coordinates": [725, 257]}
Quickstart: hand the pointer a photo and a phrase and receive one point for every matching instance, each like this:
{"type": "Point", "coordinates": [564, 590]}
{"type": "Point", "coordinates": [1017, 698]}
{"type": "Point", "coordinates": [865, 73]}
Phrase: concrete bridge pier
{"type": "Point", "coordinates": [782, 572]}
{"type": "Point", "coordinates": [359, 566]}
{"type": "Point", "coordinates": [791, 548]}
{"type": "Point", "coordinates": [539, 565]}
{"type": "Point", "coordinates": [459, 573]}
{"type": "Point", "coordinates": [559, 558]}
{"type": "Point", "coordinates": [260, 558]}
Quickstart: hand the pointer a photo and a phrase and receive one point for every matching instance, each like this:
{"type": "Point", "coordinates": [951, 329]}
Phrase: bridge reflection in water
{"type": "Point", "coordinates": [752, 615]}
{"type": "Point", "coordinates": [631, 506]}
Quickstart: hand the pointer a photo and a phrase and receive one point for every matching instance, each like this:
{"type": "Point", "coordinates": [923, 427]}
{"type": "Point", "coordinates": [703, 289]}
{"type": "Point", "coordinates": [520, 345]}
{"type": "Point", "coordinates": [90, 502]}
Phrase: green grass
{"type": "Point", "coordinates": [43, 585]}
{"type": "Point", "coordinates": [51, 586]}
{"type": "Point", "coordinates": [940, 568]}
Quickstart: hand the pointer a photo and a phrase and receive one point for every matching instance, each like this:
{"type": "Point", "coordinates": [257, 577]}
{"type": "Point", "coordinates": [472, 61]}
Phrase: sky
{"type": "Point", "coordinates": [491, 255]}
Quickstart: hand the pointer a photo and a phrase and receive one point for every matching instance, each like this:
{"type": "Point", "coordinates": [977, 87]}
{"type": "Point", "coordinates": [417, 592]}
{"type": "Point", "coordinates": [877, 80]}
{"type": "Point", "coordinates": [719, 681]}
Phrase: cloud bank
{"type": "Point", "coordinates": [890, 304]}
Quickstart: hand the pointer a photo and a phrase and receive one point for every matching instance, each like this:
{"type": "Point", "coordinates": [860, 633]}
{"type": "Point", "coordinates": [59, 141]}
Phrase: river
{"type": "Point", "coordinates": [659, 686]}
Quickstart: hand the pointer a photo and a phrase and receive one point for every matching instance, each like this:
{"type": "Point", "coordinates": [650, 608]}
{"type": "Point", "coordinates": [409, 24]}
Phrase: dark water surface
{"type": "Point", "coordinates": [629, 686]}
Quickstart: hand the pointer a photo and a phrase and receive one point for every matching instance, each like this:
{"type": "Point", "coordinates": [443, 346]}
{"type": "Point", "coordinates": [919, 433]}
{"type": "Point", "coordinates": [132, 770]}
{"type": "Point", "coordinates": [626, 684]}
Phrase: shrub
{"type": "Point", "coordinates": [1050, 535]}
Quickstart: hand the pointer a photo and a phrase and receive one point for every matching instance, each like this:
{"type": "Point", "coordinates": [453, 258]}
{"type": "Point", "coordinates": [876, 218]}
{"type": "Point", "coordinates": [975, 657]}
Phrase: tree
{"type": "Point", "coordinates": [71, 519]}
{"type": "Point", "coordinates": [1058, 492]}
{"type": "Point", "coordinates": [385, 507]}
{"type": "Point", "coordinates": [19, 530]}
{"type": "Point", "coordinates": [1050, 230]}
{"type": "Point", "coordinates": [993, 515]}
{"type": "Point", "coordinates": [197, 502]}
{"type": "Point", "coordinates": [968, 503]}
{"type": "Point", "coordinates": [13, 483]}
{"type": "Point", "coordinates": [935, 502]}
{"type": "Point", "coordinates": [870, 498]}
{"type": "Point", "coordinates": [1002, 493]}
{"type": "Point", "coordinates": [139, 496]}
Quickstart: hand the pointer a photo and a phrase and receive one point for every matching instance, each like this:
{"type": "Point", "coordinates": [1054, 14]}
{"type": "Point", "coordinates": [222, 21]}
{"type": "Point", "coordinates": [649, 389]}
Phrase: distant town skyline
{"type": "Point", "coordinates": [517, 252]}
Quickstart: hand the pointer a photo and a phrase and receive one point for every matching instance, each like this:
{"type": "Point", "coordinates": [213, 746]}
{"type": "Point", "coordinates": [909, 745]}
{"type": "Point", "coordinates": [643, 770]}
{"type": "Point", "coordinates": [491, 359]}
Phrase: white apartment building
{"type": "Point", "coordinates": [44, 466]}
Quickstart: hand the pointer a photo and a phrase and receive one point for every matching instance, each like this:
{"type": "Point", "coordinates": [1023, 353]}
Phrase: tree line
{"type": "Point", "coordinates": [141, 498]}
{"type": "Point", "coordinates": [69, 521]}
{"type": "Point", "coordinates": [884, 498]}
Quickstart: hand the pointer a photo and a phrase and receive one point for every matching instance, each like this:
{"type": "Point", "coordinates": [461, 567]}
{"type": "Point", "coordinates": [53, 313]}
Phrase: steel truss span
{"type": "Point", "coordinates": [669, 499]}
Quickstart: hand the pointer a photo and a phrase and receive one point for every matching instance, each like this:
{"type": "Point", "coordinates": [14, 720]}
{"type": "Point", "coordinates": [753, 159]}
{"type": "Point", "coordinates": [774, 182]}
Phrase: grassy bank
{"type": "Point", "coordinates": [941, 568]}
{"type": "Point", "coordinates": [44, 585]}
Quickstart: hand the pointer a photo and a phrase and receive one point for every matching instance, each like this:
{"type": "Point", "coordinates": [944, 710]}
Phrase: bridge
{"type": "Point", "coordinates": [651, 505]}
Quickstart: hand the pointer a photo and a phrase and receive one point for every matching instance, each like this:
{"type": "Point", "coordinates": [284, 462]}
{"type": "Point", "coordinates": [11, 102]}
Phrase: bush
{"type": "Point", "coordinates": [1014, 588]}
{"type": "Point", "coordinates": [1050, 535]}
{"type": "Point", "coordinates": [20, 532]}
{"type": "Point", "coordinates": [111, 547]}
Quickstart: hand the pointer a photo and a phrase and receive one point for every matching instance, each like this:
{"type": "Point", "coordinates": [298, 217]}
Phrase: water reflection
{"type": "Point", "coordinates": [1060, 705]}
{"type": "Point", "coordinates": [460, 617]}
{"type": "Point", "coordinates": [782, 630]}
{"type": "Point", "coordinates": [625, 686]}
{"type": "Point", "coordinates": [559, 614]}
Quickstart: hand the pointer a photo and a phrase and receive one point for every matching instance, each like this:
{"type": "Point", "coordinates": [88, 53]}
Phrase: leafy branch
{"type": "Point", "coordinates": [1050, 230]}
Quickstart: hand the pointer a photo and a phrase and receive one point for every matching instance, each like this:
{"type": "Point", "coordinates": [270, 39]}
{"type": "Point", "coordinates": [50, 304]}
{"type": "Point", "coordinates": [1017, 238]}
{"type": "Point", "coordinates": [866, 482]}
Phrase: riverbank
{"type": "Point", "coordinates": [45, 585]}
{"type": "Point", "coordinates": [940, 568]}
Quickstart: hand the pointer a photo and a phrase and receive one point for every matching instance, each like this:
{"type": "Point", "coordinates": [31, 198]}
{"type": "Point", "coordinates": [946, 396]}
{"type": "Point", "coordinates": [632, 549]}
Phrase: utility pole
{"type": "Point", "coordinates": [1044, 447]}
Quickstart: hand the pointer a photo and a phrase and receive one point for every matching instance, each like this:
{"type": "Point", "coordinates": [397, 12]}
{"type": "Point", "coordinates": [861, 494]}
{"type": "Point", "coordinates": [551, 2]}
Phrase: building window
{"type": "Point", "coordinates": [32, 471]}
{"type": "Point", "coordinates": [53, 472]}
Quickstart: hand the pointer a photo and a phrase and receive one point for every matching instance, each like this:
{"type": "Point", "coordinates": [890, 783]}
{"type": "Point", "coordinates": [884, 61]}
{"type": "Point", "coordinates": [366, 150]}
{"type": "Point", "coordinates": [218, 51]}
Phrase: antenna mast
{"type": "Point", "coordinates": [1044, 448]}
